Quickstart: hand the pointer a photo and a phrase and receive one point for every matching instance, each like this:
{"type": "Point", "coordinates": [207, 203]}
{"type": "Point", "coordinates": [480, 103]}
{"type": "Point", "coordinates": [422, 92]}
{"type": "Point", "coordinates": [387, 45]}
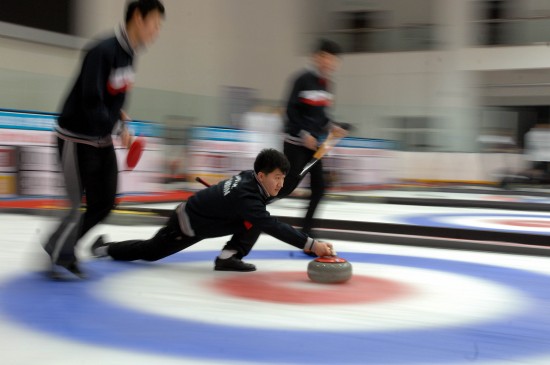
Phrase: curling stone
{"type": "Point", "coordinates": [329, 269]}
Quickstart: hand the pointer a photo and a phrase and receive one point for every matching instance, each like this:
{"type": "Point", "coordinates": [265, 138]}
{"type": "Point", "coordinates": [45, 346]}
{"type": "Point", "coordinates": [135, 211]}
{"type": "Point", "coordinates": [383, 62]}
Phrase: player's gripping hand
{"type": "Point", "coordinates": [126, 136]}
{"type": "Point", "coordinates": [338, 132]}
{"type": "Point", "coordinates": [321, 248]}
{"type": "Point", "coordinates": [310, 142]}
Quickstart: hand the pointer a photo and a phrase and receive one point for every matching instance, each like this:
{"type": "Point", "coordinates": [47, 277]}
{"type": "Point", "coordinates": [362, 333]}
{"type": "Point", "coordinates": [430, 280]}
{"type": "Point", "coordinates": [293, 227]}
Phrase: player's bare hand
{"type": "Point", "coordinates": [124, 116]}
{"type": "Point", "coordinates": [321, 248]}
{"type": "Point", "coordinates": [310, 142]}
{"type": "Point", "coordinates": [338, 132]}
{"type": "Point", "coordinates": [126, 138]}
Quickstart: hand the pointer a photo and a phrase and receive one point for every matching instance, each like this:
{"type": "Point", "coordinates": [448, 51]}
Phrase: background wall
{"type": "Point", "coordinates": [430, 98]}
{"type": "Point", "coordinates": [203, 46]}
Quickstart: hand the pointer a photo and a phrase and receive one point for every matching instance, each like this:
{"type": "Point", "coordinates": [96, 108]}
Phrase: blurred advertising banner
{"type": "Point", "coordinates": [362, 162]}
{"type": "Point", "coordinates": [8, 170]}
{"type": "Point", "coordinates": [29, 158]}
{"type": "Point", "coordinates": [537, 143]}
{"type": "Point", "coordinates": [217, 153]}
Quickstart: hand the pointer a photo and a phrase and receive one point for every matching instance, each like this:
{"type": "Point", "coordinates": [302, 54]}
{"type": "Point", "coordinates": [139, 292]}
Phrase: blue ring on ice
{"type": "Point", "coordinates": [71, 310]}
{"type": "Point", "coordinates": [442, 220]}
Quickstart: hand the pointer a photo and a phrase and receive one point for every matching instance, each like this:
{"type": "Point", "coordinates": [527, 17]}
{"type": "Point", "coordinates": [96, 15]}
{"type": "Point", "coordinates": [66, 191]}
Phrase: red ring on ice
{"type": "Point", "coordinates": [531, 223]}
{"type": "Point", "coordinates": [295, 288]}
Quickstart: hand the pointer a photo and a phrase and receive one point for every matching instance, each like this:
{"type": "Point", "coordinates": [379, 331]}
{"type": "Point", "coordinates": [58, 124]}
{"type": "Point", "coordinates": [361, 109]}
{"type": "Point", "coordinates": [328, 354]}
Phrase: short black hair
{"type": "Point", "coordinates": [269, 160]}
{"type": "Point", "coordinates": [144, 7]}
{"type": "Point", "coordinates": [328, 46]}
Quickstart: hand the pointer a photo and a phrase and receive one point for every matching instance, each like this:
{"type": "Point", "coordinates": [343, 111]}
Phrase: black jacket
{"type": "Point", "coordinates": [94, 103]}
{"type": "Point", "coordinates": [222, 209]}
{"type": "Point", "coordinates": [306, 107]}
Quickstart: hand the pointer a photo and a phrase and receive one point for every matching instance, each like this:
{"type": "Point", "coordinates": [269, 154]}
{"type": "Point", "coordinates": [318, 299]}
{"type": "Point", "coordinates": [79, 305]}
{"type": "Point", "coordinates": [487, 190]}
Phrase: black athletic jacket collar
{"type": "Point", "coordinates": [122, 38]}
{"type": "Point", "coordinates": [261, 187]}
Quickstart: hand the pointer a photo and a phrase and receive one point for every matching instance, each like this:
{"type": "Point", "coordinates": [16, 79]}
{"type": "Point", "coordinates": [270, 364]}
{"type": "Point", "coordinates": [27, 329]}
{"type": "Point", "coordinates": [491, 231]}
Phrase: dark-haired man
{"type": "Point", "coordinates": [89, 116]}
{"type": "Point", "coordinates": [307, 122]}
{"type": "Point", "coordinates": [236, 207]}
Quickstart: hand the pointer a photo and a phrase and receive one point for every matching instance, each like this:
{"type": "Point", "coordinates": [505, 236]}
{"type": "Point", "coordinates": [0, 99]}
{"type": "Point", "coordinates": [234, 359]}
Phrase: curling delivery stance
{"type": "Point", "coordinates": [236, 207]}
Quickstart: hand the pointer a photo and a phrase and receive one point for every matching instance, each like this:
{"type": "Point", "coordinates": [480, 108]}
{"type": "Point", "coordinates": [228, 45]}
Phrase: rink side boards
{"type": "Point", "coordinates": [216, 153]}
{"type": "Point", "coordinates": [29, 161]}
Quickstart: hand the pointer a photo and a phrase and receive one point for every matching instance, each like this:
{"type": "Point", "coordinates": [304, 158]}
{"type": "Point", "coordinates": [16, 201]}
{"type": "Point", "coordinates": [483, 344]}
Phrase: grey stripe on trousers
{"type": "Point", "coordinates": [63, 241]}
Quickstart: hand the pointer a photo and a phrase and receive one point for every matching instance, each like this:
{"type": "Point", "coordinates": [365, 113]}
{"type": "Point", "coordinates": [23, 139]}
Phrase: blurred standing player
{"type": "Point", "coordinates": [90, 114]}
{"type": "Point", "coordinates": [307, 122]}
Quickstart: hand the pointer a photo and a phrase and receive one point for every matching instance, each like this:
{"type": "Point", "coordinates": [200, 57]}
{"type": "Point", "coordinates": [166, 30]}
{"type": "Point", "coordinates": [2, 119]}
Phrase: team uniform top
{"type": "Point", "coordinates": [93, 106]}
{"type": "Point", "coordinates": [229, 206]}
{"type": "Point", "coordinates": [306, 109]}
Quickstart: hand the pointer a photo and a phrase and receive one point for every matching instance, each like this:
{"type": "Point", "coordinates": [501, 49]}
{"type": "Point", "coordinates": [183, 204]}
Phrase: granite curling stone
{"type": "Point", "coordinates": [329, 270]}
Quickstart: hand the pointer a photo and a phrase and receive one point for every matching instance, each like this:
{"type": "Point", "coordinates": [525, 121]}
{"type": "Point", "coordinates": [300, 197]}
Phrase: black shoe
{"type": "Point", "coordinates": [75, 270]}
{"type": "Point", "coordinates": [61, 272]}
{"type": "Point", "coordinates": [98, 244]}
{"type": "Point", "coordinates": [233, 264]}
